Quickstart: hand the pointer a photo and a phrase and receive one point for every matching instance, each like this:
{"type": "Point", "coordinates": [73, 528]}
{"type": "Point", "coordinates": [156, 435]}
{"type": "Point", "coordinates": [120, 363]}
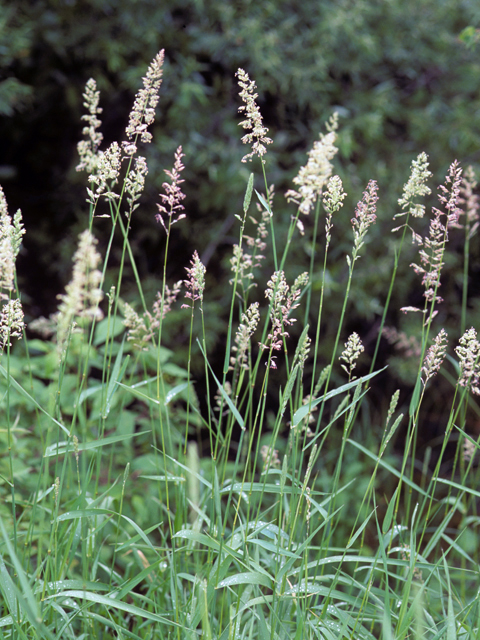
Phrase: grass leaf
{"type": "Point", "coordinates": [301, 413]}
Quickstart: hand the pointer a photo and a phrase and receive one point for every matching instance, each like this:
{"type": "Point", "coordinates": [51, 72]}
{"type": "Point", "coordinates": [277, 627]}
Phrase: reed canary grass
{"type": "Point", "coordinates": [253, 121]}
{"type": "Point", "coordinates": [312, 178]}
{"type": "Point", "coordinates": [82, 294]}
{"type": "Point", "coordinates": [434, 356]}
{"type": "Point", "coordinates": [88, 148]}
{"type": "Point", "coordinates": [468, 352]}
{"type": "Point", "coordinates": [142, 114]}
{"type": "Point", "coordinates": [136, 498]}
{"type": "Point", "coordinates": [172, 198]}
{"type": "Point", "coordinates": [11, 322]}
{"type": "Point", "coordinates": [11, 232]}
{"type": "Point", "coordinates": [351, 353]}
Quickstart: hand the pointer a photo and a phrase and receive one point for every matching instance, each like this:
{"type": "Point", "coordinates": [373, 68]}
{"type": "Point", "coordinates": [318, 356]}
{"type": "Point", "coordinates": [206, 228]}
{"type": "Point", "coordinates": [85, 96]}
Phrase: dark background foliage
{"type": "Point", "coordinates": [398, 74]}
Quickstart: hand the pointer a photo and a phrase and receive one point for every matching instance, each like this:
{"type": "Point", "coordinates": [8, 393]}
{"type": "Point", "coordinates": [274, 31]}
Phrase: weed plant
{"type": "Point", "coordinates": [275, 507]}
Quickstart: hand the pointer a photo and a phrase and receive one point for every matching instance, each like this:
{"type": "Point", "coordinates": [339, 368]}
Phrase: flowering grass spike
{"type": "Point", "coordinates": [246, 329]}
{"type": "Point", "coordinates": [254, 122]}
{"type": "Point", "coordinates": [11, 232]}
{"type": "Point", "coordinates": [88, 148]}
{"type": "Point", "coordinates": [416, 187]}
{"type": "Point", "coordinates": [470, 199]}
{"type": "Point", "coordinates": [172, 198]}
{"type": "Point", "coordinates": [351, 353]}
{"type": "Point", "coordinates": [434, 356]}
{"type": "Point", "coordinates": [468, 353]}
{"type": "Point", "coordinates": [11, 322]}
{"type": "Point", "coordinates": [312, 178]}
{"type": "Point", "coordinates": [432, 255]}
{"type": "Point", "coordinates": [140, 329]}
{"type": "Point", "coordinates": [105, 174]}
{"type": "Point", "coordinates": [82, 295]}
{"type": "Point", "coordinates": [195, 284]}
{"type": "Point", "coordinates": [284, 301]}
{"type": "Point", "coordinates": [332, 200]}
{"type": "Point", "coordinates": [142, 114]}
{"type": "Point", "coordinates": [364, 216]}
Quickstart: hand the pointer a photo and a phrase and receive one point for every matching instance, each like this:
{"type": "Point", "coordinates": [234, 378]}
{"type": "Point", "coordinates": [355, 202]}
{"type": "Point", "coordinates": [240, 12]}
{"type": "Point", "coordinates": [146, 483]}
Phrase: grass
{"type": "Point", "coordinates": [280, 509]}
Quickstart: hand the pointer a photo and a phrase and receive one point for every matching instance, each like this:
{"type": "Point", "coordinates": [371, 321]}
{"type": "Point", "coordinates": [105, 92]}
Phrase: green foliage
{"type": "Point", "coordinates": [470, 36]}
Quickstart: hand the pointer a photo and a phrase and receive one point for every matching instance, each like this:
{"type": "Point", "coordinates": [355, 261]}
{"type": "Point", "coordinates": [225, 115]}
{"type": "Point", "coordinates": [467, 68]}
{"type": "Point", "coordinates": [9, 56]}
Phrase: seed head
{"type": "Point", "coordinates": [11, 322]}
{"type": "Point", "coordinates": [82, 295]}
{"type": "Point", "coordinates": [314, 175]}
{"type": "Point", "coordinates": [468, 353]}
{"type": "Point", "coordinates": [415, 188]}
{"type": "Point", "coordinates": [364, 216]}
{"type": "Point", "coordinates": [431, 256]}
{"type": "Point", "coordinates": [195, 284]}
{"type": "Point", "coordinates": [105, 173]}
{"type": "Point", "coordinates": [468, 450]}
{"type": "Point", "coordinates": [332, 201]}
{"type": "Point", "coordinates": [283, 302]}
{"type": "Point", "coordinates": [246, 329]}
{"type": "Point", "coordinates": [254, 122]}
{"type": "Point", "coordinates": [11, 232]}
{"type": "Point", "coordinates": [270, 457]}
{"type": "Point", "coordinates": [408, 345]}
{"type": "Point", "coordinates": [470, 199]}
{"type": "Point", "coordinates": [351, 353]}
{"type": "Point", "coordinates": [173, 196]}
{"type": "Point", "coordinates": [435, 356]}
{"type": "Point", "coordinates": [137, 331]}
{"type": "Point", "coordinates": [146, 100]}
{"type": "Point", "coordinates": [135, 183]}
{"type": "Point", "coordinates": [140, 329]}
{"type": "Point", "coordinates": [303, 349]}
{"type": "Point", "coordinates": [163, 304]}
{"type": "Point", "coordinates": [88, 148]}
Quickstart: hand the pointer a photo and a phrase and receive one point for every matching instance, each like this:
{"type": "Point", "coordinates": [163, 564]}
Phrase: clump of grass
{"type": "Point", "coordinates": [291, 524]}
